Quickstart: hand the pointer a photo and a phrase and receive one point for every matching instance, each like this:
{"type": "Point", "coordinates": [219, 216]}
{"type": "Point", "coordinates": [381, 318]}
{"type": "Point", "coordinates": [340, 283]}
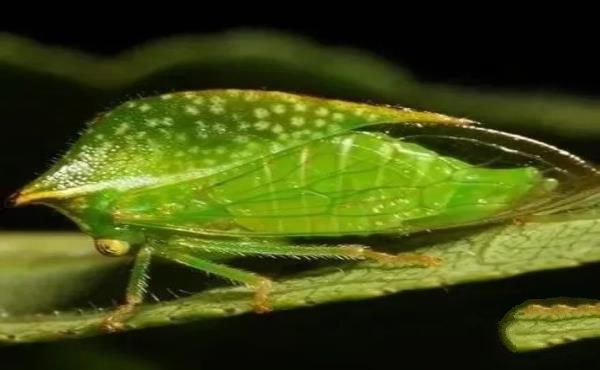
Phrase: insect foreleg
{"type": "Point", "coordinates": [136, 289]}
{"type": "Point", "coordinates": [185, 251]}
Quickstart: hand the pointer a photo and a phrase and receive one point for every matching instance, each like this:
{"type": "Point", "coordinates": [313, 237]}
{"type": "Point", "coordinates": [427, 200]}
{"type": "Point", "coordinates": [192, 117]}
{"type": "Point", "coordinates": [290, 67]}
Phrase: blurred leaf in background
{"type": "Point", "coordinates": [539, 324]}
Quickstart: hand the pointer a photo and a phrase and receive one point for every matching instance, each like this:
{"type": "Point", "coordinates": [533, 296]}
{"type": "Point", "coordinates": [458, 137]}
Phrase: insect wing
{"type": "Point", "coordinates": [356, 183]}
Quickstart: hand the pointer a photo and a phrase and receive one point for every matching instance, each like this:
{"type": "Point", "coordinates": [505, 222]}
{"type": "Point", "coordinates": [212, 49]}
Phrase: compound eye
{"type": "Point", "coordinates": [111, 247]}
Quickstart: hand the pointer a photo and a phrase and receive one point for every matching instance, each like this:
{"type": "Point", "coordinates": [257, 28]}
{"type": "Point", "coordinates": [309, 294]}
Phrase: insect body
{"type": "Point", "coordinates": [228, 172]}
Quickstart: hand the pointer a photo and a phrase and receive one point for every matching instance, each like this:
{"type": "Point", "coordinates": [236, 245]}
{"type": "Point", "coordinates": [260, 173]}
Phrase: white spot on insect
{"type": "Point", "coordinates": [181, 137]}
{"type": "Point", "coordinates": [220, 150]}
{"type": "Point", "coordinates": [283, 137]}
{"type": "Point", "coordinates": [201, 134]}
{"type": "Point", "coordinates": [166, 121]}
{"type": "Point", "coordinates": [300, 107]}
{"type": "Point", "coordinates": [209, 162]}
{"type": "Point", "coordinates": [105, 146]}
{"type": "Point", "coordinates": [151, 122]}
{"type": "Point", "coordinates": [179, 153]}
{"type": "Point", "coordinates": [194, 150]}
{"type": "Point", "coordinates": [373, 117]}
{"type": "Point", "coordinates": [200, 124]}
{"type": "Point", "coordinates": [189, 94]}
{"type": "Point", "coordinates": [297, 121]}
{"type": "Point", "coordinates": [145, 107]}
{"type": "Point", "coordinates": [336, 140]}
{"type": "Point", "coordinates": [377, 209]}
{"type": "Point", "coordinates": [322, 112]}
{"type": "Point", "coordinates": [244, 126]}
{"type": "Point", "coordinates": [262, 125]}
{"type": "Point", "coordinates": [320, 122]}
{"type": "Point", "coordinates": [217, 100]}
{"type": "Point", "coordinates": [166, 96]}
{"type": "Point", "coordinates": [261, 113]}
{"type": "Point", "coordinates": [277, 129]}
{"type": "Point", "coordinates": [166, 133]}
{"type": "Point", "coordinates": [217, 109]}
{"type": "Point", "coordinates": [99, 137]}
{"type": "Point", "coordinates": [131, 104]}
{"type": "Point", "coordinates": [123, 128]}
{"type": "Point", "coordinates": [190, 109]}
{"type": "Point", "coordinates": [198, 100]}
{"type": "Point", "coordinates": [233, 92]}
{"type": "Point", "coordinates": [140, 134]}
{"type": "Point", "coordinates": [337, 116]}
{"type": "Point", "coordinates": [279, 109]}
{"type": "Point", "coordinates": [236, 117]}
{"type": "Point", "coordinates": [220, 128]}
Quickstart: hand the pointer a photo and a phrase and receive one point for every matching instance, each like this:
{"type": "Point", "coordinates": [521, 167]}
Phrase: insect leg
{"type": "Point", "coordinates": [411, 259]}
{"type": "Point", "coordinates": [136, 289]}
{"type": "Point", "coordinates": [260, 284]}
{"type": "Point", "coordinates": [279, 249]}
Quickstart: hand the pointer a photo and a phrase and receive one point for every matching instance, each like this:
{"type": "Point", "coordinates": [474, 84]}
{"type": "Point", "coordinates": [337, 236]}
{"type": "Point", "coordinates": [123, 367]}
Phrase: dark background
{"type": "Point", "coordinates": [502, 53]}
{"type": "Point", "coordinates": [455, 327]}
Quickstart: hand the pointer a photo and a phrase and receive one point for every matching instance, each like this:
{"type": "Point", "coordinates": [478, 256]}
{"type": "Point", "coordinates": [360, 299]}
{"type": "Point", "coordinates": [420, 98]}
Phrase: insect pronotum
{"type": "Point", "coordinates": [185, 176]}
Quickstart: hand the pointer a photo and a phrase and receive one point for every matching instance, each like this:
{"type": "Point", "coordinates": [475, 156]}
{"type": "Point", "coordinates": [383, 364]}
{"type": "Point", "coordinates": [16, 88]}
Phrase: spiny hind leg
{"type": "Point", "coordinates": [186, 251]}
{"type": "Point", "coordinates": [260, 284]}
{"type": "Point", "coordinates": [284, 249]}
{"type": "Point", "coordinates": [136, 289]}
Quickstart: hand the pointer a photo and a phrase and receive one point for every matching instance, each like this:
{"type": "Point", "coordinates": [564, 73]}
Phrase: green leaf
{"type": "Point", "coordinates": [476, 254]}
{"type": "Point", "coordinates": [539, 324]}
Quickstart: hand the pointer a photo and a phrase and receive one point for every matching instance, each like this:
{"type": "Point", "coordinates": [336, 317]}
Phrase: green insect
{"type": "Point", "coordinates": [193, 177]}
